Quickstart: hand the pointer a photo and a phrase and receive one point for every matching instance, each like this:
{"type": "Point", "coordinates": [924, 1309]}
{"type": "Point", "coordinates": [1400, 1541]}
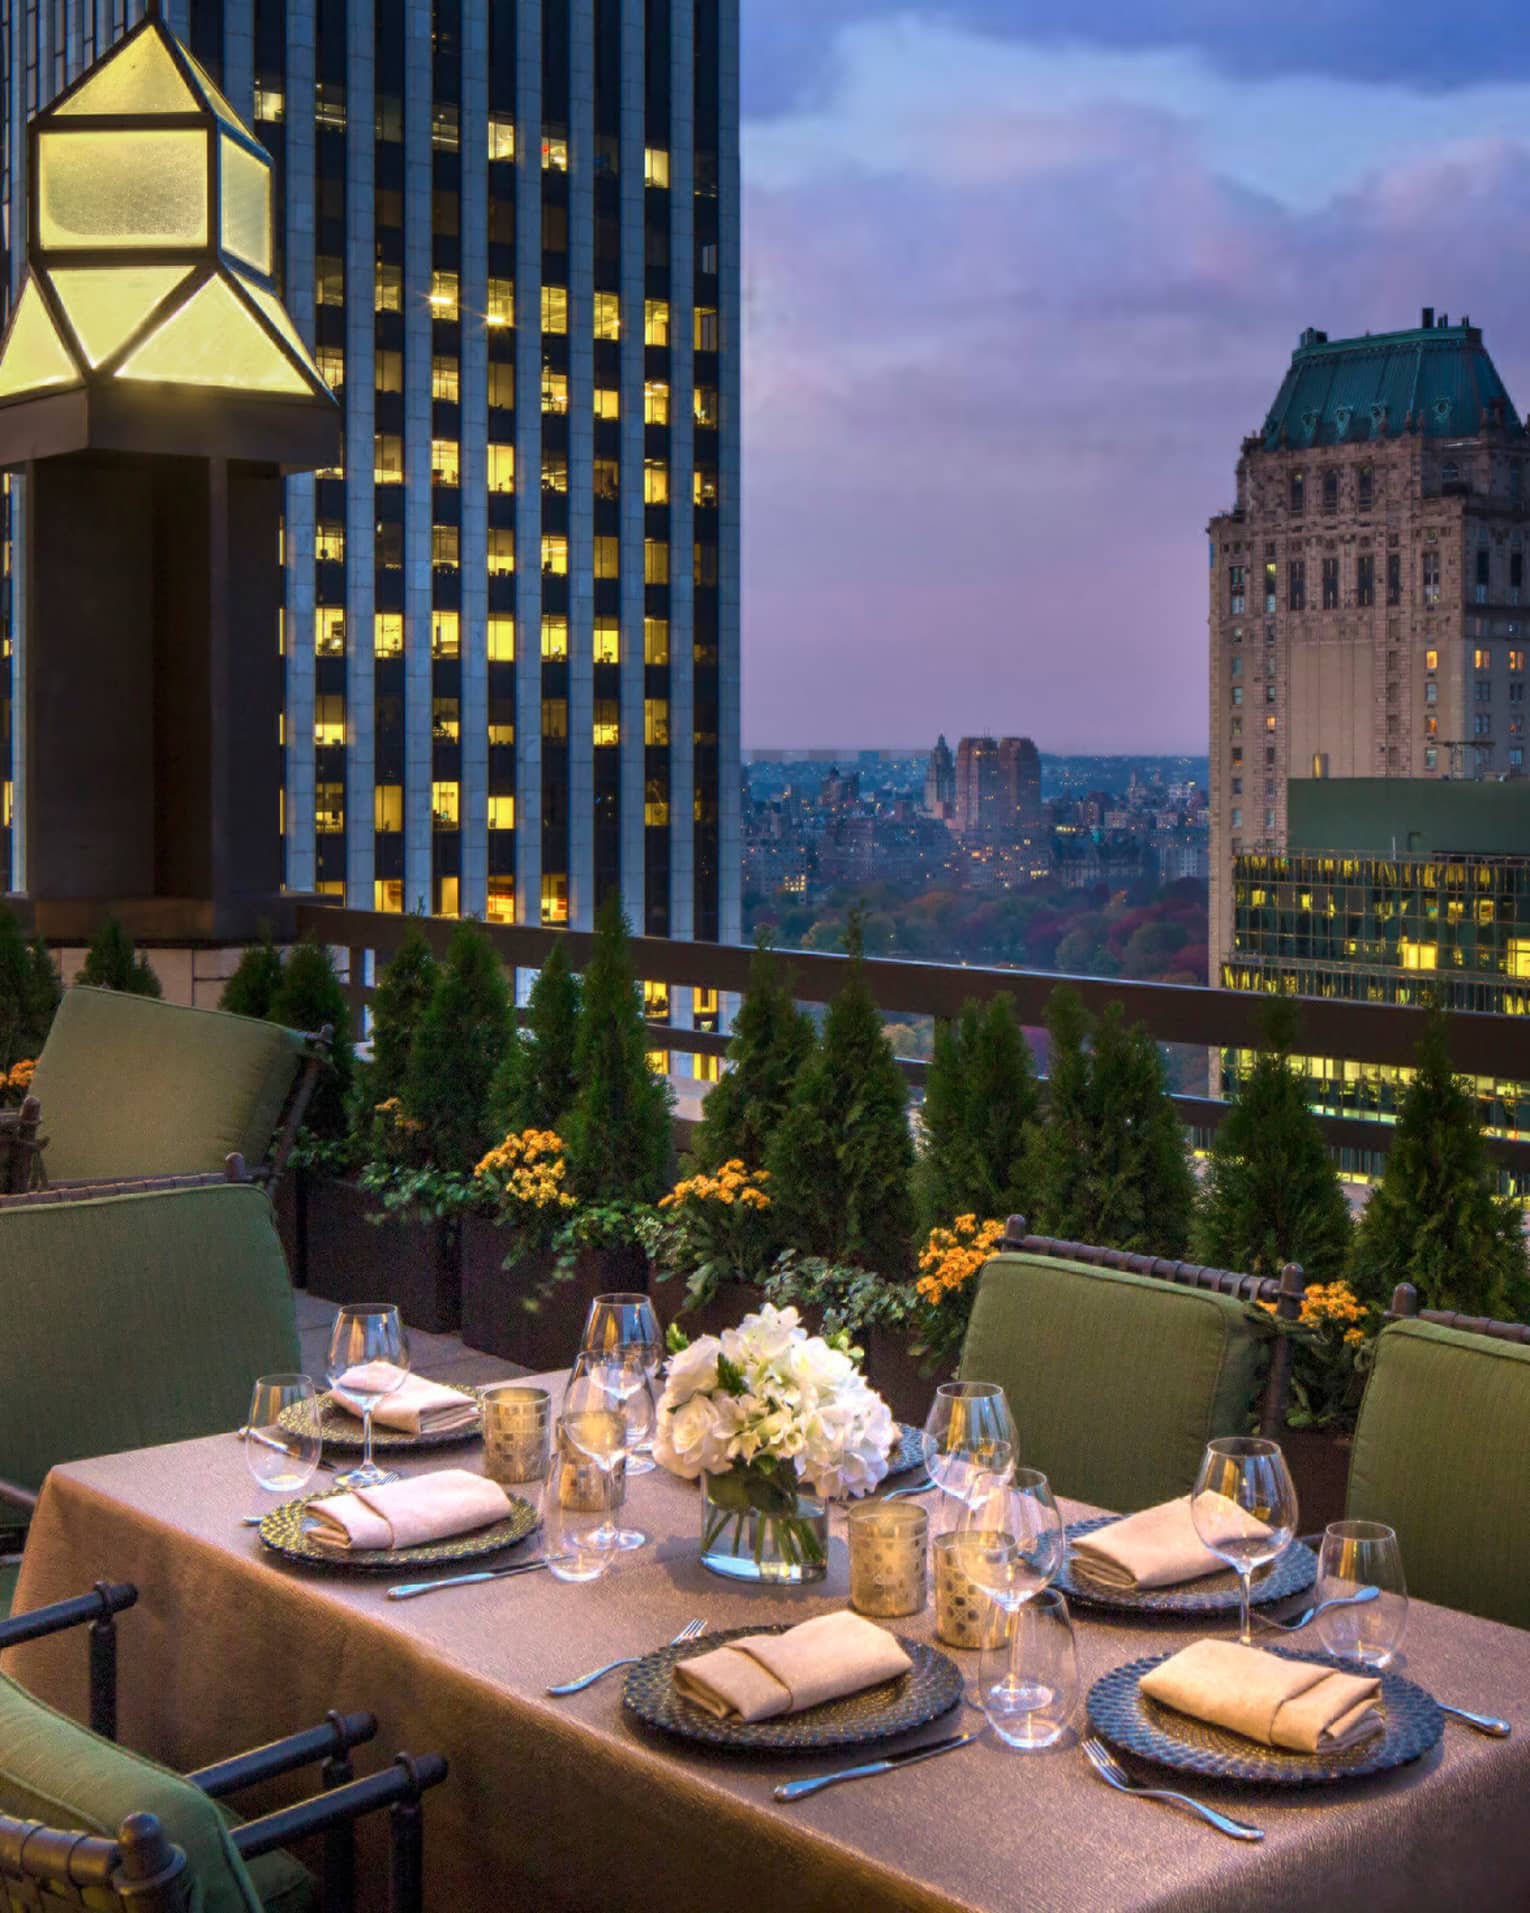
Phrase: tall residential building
{"type": "Point", "coordinates": [940, 780]}
{"type": "Point", "coordinates": [998, 787]}
{"type": "Point", "coordinates": [1368, 587]}
{"type": "Point", "coordinates": [509, 230]}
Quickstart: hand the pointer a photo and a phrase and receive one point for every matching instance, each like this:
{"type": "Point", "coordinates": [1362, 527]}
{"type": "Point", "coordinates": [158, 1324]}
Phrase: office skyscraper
{"type": "Point", "coordinates": [997, 787]}
{"type": "Point", "coordinates": [510, 231]}
{"type": "Point", "coordinates": [1368, 588]}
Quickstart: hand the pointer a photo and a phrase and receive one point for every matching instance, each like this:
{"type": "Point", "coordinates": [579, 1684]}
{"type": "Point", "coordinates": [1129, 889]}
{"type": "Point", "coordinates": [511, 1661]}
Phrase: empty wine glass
{"type": "Point", "coordinates": [1251, 1473]}
{"type": "Point", "coordinates": [1355, 1555]}
{"type": "Point", "coordinates": [282, 1441]}
{"type": "Point", "coordinates": [969, 1434]}
{"type": "Point", "coordinates": [567, 1541]}
{"type": "Point", "coordinates": [1011, 1544]}
{"type": "Point", "coordinates": [1028, 1685]}
{"type": "Point", "coordinates": [624, 1323]}
{"type": "Point", "coordinates": [368, 1358]}
{"type": "Point", "coordinates": [609, 1408]}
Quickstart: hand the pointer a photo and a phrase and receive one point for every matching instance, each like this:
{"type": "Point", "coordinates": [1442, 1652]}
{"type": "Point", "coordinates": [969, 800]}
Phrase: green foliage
{"type": "Point", "coordinates": [772, 1039]}
{"type": "Point", "coordinates": [1433, 1219]}
{"type": "Point", "coordinates": [403, 993]}
{"type": "Point", "coordinates": [460, 1043]}
{"type": "Point", "coordinates": [619, 1136]}
{"type": "Point", "coordinates": [1271, 1195]}
{"type": "Point", "coordinates": [1109, 1164]}
{"type": "Point", "coordinates": [252, 989]}
{"type": "Point", "coordinates": [842, 1159]}
{"type": "Point", "coordinates": [111, 963]}
{"type": "Point", "coordinates": [307, 997]}
{"type": "Point", "coordinates": [29, 994]}
{"type": "Point", "coordinates": [980, 1101]}
{"type": "Point", "coordinates": [534, 1086]}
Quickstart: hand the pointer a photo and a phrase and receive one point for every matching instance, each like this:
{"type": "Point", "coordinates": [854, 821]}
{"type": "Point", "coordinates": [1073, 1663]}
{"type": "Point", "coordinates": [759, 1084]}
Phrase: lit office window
{"type": "Point", "coordinates": [329, 809]}
{"type": "Point", "coordinates": [388, 371]}
{"type": "Point", "coordinates": [446, 126]}
{"type": "Point", "coordinates": [446, 720]}
{"type": "Point", "coordinates": [502, 813]}
{"type": "Point", "coordinates": [329, 631]}
{"type": "Point", "coordinates": [608, 557]}
{"type": "Point", "coordinates": [655, 402]}
{"type": "Point", "coordinates": [655, 166]}
{"type": "Point", "coordinates": [656, 322]}
{"type": "Point", "coordinates": [445, 462]}
{"type": "Point", "coordinates": [445, 547]}
{"type": "Point", "coordinates": [448, 896]}
{"type": "Point", "coordinates": [501, 468]}
{"type": "Point", "coordinates": [704, 488]}
{"type": "Point", "coordinates": [554, 471]}
{"type": "Point", "coordinates": [706, 405]}
{"type": "Point", "coordinates": [329, 718]}
{"type": "Point", "coordinates": [655, 482]}
{"type": "Point", "coordinates": [554, 390]}
{"type": "Point", "coordinates": [656, 720]}
{"type": "Point", "coordinates": [554, 150]}
{"type": "Point", "coordinates": [445, 805]}
{"type": "Point", "coordinates": [500, 307]}
{"type": "Point", "coordinates": [270, 103]}
{"type": "Point", "coordinates": [445, 379]}
{"type": "Point", "coordinates": [607, 726]}
{"type": "Point", "coordinates": [388, 464]}
{"type": "Point", "coordinates": [501, 900]}
{"type": "Point", "coordinates": [329, 542]}
{"type": "Point", "coordinates": [554, 898]}
{"type": "Point", "coordinates": [388, 895]}
{"type": "Point", "coordinates": [501, 720]}
{"type": "Point", "coordinates": [555, 308]}
{"type": "Point", "coordinates": [390, 286]}
{"type": "Point", "coordinates": [608, 402]}
{"type": "Point", "coordinates": [606, 477]}
{"type": "Point", "coordinates": [501, 550]}
{"type": "Point", "coordinates": [554, 638]}
{"type": "Point", "coordinates": [388, 807]}
{"type": "Point", "coordinates": [501, 136]}
{"type": "Point", "coordinates": [655, 561]}
{"type": "Point", "coordinates": [328, 280]}
{"type": "Point", "coordinates": [608, 641]}
{"type": "Point", "coordinates": [555, 554]}
{"type": "Point", "coordinates": [388, 634]}
{"type": "Point", "coordinates": [331, 363]}
{"type": "Point", "coordinates": [443, 294]}
{"type": "Point", "coordinates": [445, 634]}
{"type": "Point", "coordinates": [656, 640]}
{"type": "Point", "coordinates": [608, 315]}
{"type": "Point", "coordinates": [501, 638]}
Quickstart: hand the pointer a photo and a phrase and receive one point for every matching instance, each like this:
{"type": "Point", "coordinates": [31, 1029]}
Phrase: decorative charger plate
{"type": "Point", "coordinates": [1122, 1714]}
{"type": "Point", "coordinates": [930, 1688]}
{"type": "Point", "coordinates": [909, 1453]}
{"type": "Point", "coordinates": [1293, 1572]}
{"type": "Point", "coordinates": [284, 1532]}
{"type": "Point", "coordinates": [342, 1431]}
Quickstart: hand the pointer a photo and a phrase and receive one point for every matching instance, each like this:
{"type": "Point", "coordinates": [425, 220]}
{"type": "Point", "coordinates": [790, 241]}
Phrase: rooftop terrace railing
{"type": "Point", "coordinates": [1368, 1033]}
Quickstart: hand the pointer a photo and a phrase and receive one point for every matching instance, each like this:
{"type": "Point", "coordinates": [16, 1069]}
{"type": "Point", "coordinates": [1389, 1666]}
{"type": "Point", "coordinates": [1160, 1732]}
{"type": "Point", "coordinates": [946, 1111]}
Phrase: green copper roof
{"type": "Point", "coordinates": [1437, 380]}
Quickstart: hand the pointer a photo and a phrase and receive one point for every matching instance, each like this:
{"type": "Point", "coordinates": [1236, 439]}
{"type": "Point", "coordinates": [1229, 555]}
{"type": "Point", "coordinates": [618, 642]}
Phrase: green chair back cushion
{"type": "Point", "coordinates": [131, 1086]}
{"type": "Point", "coordinates": [54, 1770]}
{"type": "Point", "coordinates": [133, 1320]}
{"type": "Point", "coordinates": [1442, 1454]}
{"type": "Point", "coordinates": [1116, 1382]}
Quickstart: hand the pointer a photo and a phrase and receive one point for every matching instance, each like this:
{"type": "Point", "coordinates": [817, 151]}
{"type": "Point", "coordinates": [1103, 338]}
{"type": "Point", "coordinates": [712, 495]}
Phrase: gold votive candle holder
{"type": "Point", "coordinates": [965, 1614]}
{"type": "Point", "coordinates": [583, 1485]}
{"type": "Point", "coordinates": [517, 1432]}
{"type": "Point", "coordinates": [889, 1551]}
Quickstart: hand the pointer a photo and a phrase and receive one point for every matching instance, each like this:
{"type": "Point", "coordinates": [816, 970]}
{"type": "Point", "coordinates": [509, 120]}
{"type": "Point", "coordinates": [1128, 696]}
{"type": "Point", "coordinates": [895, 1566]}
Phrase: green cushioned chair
{"type": "Point", "coordinates": [1442, 1454]}
{"type": "Point", "coordinates": [133, 1320]}
{"type": "Point", "coordinates": [1116, 1381]}
{"type": "Point", "coordinates": [130, 1086]}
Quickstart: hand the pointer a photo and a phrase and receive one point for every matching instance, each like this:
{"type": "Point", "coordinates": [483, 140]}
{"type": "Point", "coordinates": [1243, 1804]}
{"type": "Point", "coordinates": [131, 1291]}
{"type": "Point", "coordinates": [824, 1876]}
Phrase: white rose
{"type": "Point", "coordinates": [691, 1440]}
{"type": "Point", "coordinates": [693, 1371]}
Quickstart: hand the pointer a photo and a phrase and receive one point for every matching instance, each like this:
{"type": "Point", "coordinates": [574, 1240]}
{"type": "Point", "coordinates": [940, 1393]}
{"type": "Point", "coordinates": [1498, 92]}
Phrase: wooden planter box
{"type": "Point", "coordinates": [894, 1373]}
{"type": "Point", "coordinates": [349, 1258]}
{"type": "Point", "coordinates": [1319, 1462]}
{"type": "Point", "coordinates": [494, 1316]}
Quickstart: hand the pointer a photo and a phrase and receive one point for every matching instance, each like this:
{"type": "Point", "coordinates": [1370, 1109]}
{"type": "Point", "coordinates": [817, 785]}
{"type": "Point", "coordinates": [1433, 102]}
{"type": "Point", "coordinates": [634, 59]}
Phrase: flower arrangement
{"type": "Point", "coordinates": [712, 1228]}
{"type": "Point", "coordinates": [1333, 1342]}
{"type": "Point", "coordinates": [524, 1173]}
{"type": "Point", "coordinates": [948, 1262]}
{"type": "Point", "coordinates": [760, 1409]}
{"type": "Point", "coordinates": [15, 1082]}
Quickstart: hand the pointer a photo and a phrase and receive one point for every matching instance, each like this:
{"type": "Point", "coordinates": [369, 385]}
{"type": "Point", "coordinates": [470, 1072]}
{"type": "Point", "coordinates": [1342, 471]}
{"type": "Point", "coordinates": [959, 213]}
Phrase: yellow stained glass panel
{"type": "Point", "coordinates": [277, 313]}
{"type": "Point", "coordinates": [142, 78]}
{"type": "Point", "coordinates": [107, 304]}
{"type": "Point", "coordinates": [246, 199]}
{"type": "Point", "coordinates": [214, 98]}
{"type": "Point", "coordinates": [214, 340]}
{"type": "Point", "coordinates": [122, 188]}
{"type": "Point", "coordinates": [34, 353]}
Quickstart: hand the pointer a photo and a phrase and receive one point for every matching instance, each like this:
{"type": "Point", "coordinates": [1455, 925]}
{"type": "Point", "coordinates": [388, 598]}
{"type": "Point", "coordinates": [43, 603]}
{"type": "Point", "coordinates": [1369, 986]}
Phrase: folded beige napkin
{"type": "Point", "coordinates": [405, 1513]}
{"type": "Point", "coordinates": [768, 1674]}
{"type": "Point", "coordinates": [1162, 1546]}
{"type": "Point", "coordinates": [410, 1404]}
{"type": "Point", "coordinates": [1310, 1710]}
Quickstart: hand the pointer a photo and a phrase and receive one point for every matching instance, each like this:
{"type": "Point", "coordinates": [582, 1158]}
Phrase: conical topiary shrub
{"type": "Point", "coordinates": [459, 1045]}
{"type": "Point", "coordinates": [534, 1086]}
{"type": "Point", "coordinates": [771, 1039]}
{"type": "Point", "coordinates": [403, 994]}
{"type": "Point", "coordinates": [252, 988]}
{"type": "Point", "coordinates": [111, 963]}
{"type": "Point", "coordinates": [29, 994]}
{"type": "Point", "coordinates": [308, 996]}
{"type": "Point", "coordinates": [979, 1104]}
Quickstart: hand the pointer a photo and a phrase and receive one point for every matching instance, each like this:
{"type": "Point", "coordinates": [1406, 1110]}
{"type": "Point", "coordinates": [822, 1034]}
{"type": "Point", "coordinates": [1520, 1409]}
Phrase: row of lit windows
{"type": "Point", "coordinates": [446, 385]}
{"type": "Point", "coordinates": [446, 727]}
{"type": "Point", "coordinates": [445, 300]}
{"type": "Point", "coordinates": [499, 549]}
{"type": "Point", "coordinates": [499, 641]}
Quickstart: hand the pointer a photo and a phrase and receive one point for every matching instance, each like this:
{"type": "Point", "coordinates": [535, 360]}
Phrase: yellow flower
{"type": "Point", "coordinates": [21, 1073]}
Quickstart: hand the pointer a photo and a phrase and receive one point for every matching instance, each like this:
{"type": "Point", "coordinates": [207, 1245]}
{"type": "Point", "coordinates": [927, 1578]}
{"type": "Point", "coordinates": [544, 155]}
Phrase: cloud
{"type": "Point", "coordinates": [996, 379]}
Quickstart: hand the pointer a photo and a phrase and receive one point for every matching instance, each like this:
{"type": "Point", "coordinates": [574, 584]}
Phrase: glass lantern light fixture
{"type": "Point", "coordinates": [150, 241]}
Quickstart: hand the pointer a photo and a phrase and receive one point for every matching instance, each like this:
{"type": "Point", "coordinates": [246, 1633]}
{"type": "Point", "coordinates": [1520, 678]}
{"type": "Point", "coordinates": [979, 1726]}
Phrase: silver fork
{"type": "Point", "coordinates": [690, 1632]}
{"type": "Point", "coordinates": [1115, 1775]}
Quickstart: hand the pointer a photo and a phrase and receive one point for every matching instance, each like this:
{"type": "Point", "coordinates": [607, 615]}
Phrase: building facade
{"type": "Point", "coordinates": [1368, 588]}
{"type": "Point", "coordinates": [509, 231]}
{"type": "Point", "coordinates": [997, 788]}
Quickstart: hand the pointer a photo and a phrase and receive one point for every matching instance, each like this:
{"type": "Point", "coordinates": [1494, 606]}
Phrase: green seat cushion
{"type": "Point", "coordinates": [1442, 1454]}
{"type": "Point", "coordinates": [1116, 1382]}
{"type": "Point", "coordinates": [134, 1320]}
{"type": "Point", "coordinates": [131, 1086]}
{"type": "Point", "coordinates": [55, 1771]}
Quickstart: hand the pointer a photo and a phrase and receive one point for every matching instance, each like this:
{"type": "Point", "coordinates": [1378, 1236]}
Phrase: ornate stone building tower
{"type": "Point", "coordinates": [1368, 587]}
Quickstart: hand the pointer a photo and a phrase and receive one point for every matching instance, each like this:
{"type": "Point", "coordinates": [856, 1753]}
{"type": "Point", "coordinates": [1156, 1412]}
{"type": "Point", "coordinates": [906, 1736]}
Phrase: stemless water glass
{"type": "Point", "coordinates": [567, 1539]}
{"type": "Point", "coordinates": [969, 1434]}
{"type": "Point", "coordinates": [1252, 1473]}
{"type": "Point", "coordinates": [366, 1333]}
{"type": "Point", "coordinates": [624, 1323]}
{"type": "Point", "coordinates": [1028, 1686]}
{"type": "Point", "coordinates": [1011, 1544]}
{"type": "Point", "coordinates": [284, 1443]}
{"type": "Point", "coordinates": [608, 1408]}
{"type": "Point", "coordinates": [1355, 1555]}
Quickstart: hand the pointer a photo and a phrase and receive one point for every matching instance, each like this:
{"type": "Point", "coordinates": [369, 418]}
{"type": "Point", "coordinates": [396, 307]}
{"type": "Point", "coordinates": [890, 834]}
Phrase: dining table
{"type": "Point", "coordinates": [574, 1803]}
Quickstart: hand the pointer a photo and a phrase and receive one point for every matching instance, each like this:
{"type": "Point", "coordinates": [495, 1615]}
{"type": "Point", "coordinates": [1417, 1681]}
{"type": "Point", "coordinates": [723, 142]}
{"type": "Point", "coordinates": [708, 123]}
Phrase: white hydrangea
{"type": "Point", "coordinates": [802, 1401]}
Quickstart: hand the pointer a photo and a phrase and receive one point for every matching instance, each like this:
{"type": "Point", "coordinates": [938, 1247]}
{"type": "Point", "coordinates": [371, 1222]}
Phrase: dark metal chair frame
{"type": "Point", "coordinates": [1405, 1308]}
{"type": "Point", "coordinates": [1285, 1295]}
{"type": "Point", "coordinates": [145, 1870]}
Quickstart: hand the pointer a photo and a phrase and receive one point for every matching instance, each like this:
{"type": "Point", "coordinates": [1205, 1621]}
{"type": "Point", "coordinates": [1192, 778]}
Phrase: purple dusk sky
{"type": "Point", "coordinates": [1018, 277]}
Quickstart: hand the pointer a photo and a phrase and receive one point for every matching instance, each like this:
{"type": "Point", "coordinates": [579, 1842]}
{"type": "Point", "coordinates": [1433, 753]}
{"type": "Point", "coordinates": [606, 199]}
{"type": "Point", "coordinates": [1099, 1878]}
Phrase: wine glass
{"type": "Point", "coordinates": [608, 1408]}
{"type": "Point", "coordinates": [1251, 1473]}
{"type": "Point", "coordinates": [566, 1536]}
{"type": "Point", "coordinates": [282, 1441]}
{"type": "Point", "coordinates": [969, 1434]}
{"type": "Point", "coordinates": [367, 1335]}
{"type": "Point", "coordinates": [1011, 1544]}
{"type": "Point", "coordinates": [1028, 1685]}
{"type": "Point", "coordinates": [1355, 1555]}
{"type": "Point", "coordinates": [622, 1323]}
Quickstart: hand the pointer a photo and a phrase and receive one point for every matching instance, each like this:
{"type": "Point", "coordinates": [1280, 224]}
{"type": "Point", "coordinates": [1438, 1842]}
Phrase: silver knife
{"type": "Point", "coordinates": [800, 1789]}
{"type": "Point", "coordinates": [406, 1590]}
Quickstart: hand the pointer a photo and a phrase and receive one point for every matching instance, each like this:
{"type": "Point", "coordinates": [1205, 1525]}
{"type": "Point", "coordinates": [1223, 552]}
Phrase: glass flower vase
{"type": "Point", "coordinates": [762, 1528]}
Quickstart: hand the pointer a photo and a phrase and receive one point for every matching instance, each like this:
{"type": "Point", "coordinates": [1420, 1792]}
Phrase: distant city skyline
{"type": "Point", "coordinates": [1016, 282]}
